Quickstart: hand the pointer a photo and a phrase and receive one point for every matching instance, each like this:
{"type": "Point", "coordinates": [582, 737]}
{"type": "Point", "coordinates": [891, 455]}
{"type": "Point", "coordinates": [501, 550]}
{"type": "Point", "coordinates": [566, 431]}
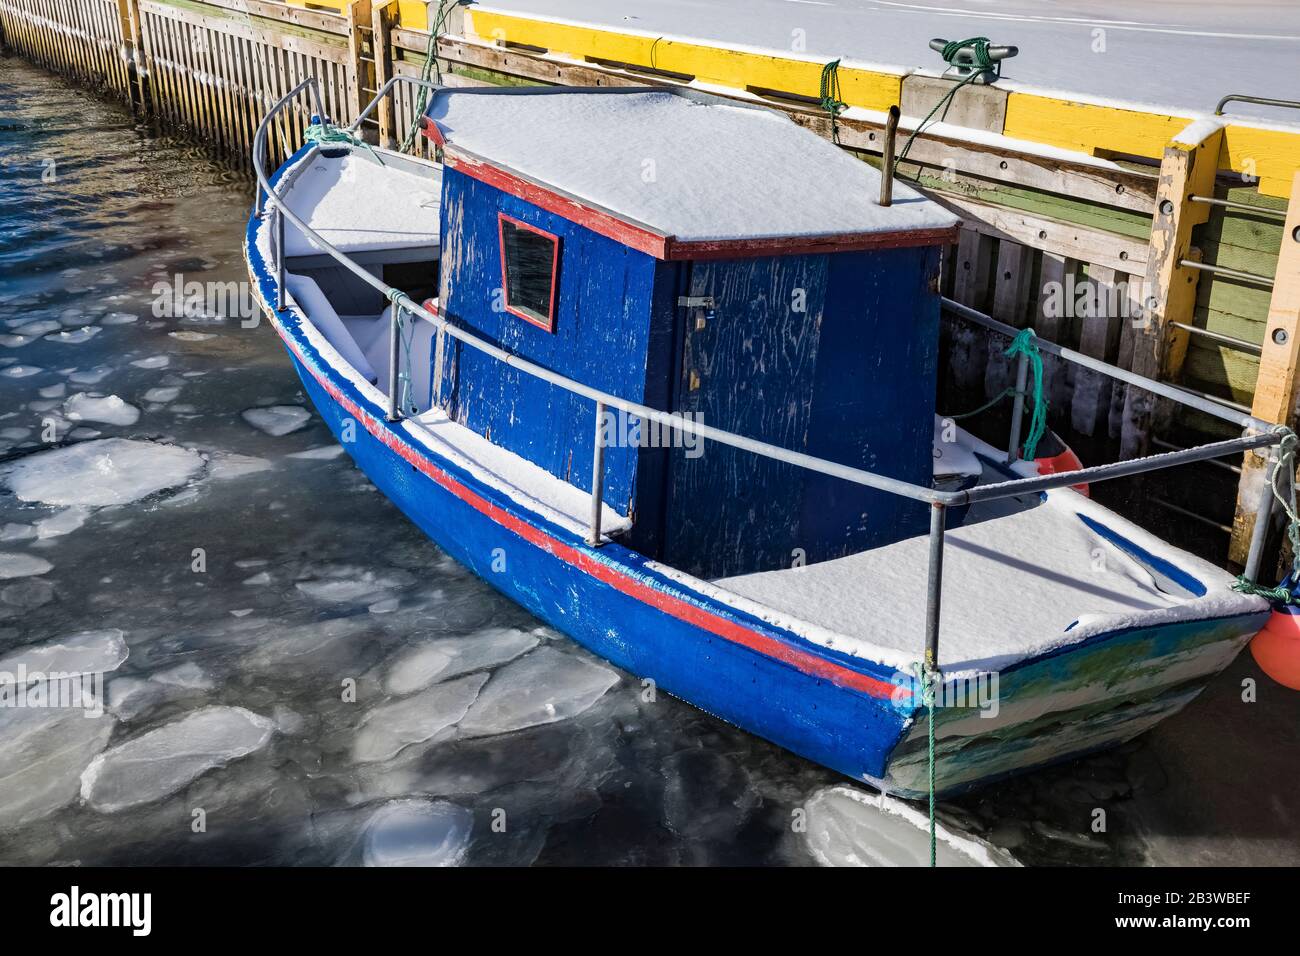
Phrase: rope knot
{"type": "Point", "coordinates": [1024, 344]}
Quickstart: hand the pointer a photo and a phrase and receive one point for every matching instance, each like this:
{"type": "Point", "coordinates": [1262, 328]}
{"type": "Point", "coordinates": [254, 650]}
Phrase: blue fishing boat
{"type": "Point", "coordinates": [662, 368]}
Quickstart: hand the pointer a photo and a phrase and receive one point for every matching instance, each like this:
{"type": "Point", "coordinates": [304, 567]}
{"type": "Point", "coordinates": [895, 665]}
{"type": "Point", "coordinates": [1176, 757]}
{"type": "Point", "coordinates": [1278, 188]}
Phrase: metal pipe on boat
{"type": "Point", "coordinates": [1118, 469]}
{"type": "Point", "coordinates": [1263, 518]}
{"type": "Point", "coordinates": [1172, 392]}
{"type": "Point", "coordinates": [934, 587]}
{"type": "Point", "coordinates": [887, 157]}
{"type": "Point", "coordinates": [597, 478]}
{"type": "Point", "coordinates": [280, 305]}
{"type": "Point", "coordinates": [1018, 407]}
{"type": "Point", "coordinates": [394, 357]}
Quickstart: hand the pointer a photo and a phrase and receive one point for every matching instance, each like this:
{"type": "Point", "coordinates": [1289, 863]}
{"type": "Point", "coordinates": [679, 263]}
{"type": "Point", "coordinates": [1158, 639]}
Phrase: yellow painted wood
{"type": "Point", "coordinates": [725, 66]}
{"type": "Point", "coordinates": [1272, 155]}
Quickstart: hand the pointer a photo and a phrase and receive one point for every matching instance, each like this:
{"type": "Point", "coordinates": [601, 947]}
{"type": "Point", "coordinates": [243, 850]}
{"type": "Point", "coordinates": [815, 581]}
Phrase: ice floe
{"type": "Point", "coordinates": [90, 376]}
{"type": "Point", "coordinates": [61, 522]}
{"type": "Point", "coordinates": [118, 318]}
{"type": "Point", "coordinates": [87, 652]}
{"type": "Point", "coordinates": [277, 420]}
{"type": "Point", "coordinates": [15, 564]}
{"type": "Point", "coordinates": [349, 585]}
{"type": "Point", "coordinates": [21, 371]}
{"type": "Point", "coordinates": [74, 336]}
{"type": "Point", "coordinates": [417, 833]}
{"type": "Point", "coordinates": [847, 827]}
{"type": "Point", "coordinates": [162, 395]}
{"type": "Point", "coordinates": [452, 656]}
{"type": "Point", "coordinates": [153, 361]}
{"type": "Point", "coordinates": [229, 465]}
{"type": "Point", "coordinates": [108, 471]}
{"type": "Point", "coordinates": [110, 409]}
{"type": "Point", "coordinates": [541, 688]}
{"type": "Point", "coordinates": [163, 761]}
{"type": "Point", "coordinates": [389, 728]}
{"type": "Point", "coordinates": [324, 452]}
{"type": "Point", "coordinates": [42, 755]}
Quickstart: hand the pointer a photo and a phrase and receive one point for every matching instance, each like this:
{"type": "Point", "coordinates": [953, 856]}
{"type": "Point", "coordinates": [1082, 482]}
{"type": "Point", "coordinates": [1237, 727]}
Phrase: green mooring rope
{"type": "Point", "coordinates": [1023, 344]}
{"type": "Point", "coordinates": [432, 67]}
{"type": "Point", "coordinates": [927, 676]}
{"type": "Point", "coordinates": [325, 133]}
{"type": "Point", "coordinates": [1284, 465]}
{"type": "Point", "coordinates": [982, 62]}
{"type": "Point", "coordinates": [830, 96]}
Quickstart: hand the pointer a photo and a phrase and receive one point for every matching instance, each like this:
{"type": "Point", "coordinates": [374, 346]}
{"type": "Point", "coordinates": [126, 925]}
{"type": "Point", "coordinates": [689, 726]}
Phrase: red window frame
{"type": "Point", "coordinates": [547, 324]}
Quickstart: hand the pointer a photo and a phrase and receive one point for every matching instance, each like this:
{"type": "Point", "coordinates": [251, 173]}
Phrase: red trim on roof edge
{"type": "Point", "coordinates": [645, 239]}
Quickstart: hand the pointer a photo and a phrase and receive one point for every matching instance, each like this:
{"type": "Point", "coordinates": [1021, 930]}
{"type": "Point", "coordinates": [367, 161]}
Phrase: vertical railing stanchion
{"type": "Point", "coordinates": [1018, 407]}
{"type": "Point", "coordinates": [597, 478]}
{"type": "Point", "coordinates": [394, 355]}
{"type": "Point", "coordinates": [1263, 518]}
{"type": "Point", "coordinates": [934, 586]}
{"type": "Point", "coordinates": [279, 259]}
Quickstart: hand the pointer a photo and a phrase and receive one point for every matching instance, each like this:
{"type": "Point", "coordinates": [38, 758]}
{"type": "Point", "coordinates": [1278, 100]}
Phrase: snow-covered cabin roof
{"type": "Point", "coordinates": [677, 173]}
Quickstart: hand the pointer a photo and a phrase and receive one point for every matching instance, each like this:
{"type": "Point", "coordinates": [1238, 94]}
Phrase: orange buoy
{"type": "Point", "coordinates": [1067, 460]}
{"type": "Point", "coordinates": [1276, 648]}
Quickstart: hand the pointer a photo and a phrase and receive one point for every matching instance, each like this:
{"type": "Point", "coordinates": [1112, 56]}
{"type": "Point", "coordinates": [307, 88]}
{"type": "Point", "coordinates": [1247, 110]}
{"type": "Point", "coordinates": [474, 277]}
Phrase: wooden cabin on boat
{"type": "Point", "coordinates": [695, 255]}
{"type": "Point", "coordinates": [705, 258]}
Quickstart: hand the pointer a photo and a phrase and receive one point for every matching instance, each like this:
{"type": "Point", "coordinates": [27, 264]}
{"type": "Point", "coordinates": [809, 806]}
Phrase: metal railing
{"type": "Point", "coordinates": [1258, 433]}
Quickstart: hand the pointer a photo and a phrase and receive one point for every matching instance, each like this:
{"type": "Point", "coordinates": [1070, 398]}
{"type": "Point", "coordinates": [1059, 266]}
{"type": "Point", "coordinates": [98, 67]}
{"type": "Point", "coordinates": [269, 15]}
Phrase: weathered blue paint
{"type": "Point", "coordinates": [833, 355]}
{"type": "Point", "coordinates": [601, 337]}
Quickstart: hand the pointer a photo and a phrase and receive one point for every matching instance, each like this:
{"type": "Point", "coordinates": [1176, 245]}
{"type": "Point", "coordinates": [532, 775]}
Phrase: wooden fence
{"type": "Point", "coordinates": [1098, 253]}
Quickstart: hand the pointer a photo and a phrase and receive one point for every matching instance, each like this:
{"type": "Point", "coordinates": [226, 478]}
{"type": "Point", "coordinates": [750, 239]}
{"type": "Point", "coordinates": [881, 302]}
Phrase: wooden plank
{"type": "Point", "coordinates": [360, 72]}
{"type": "Point", "coordinates": [311, 19]}
{"type": "Point", "coordinates": [1275, 388]}
{"type": "Point", "coordinates": [1170, 289]}
{"type": "Point", "coordinates": [383, 15]}
{"type": "Point", "coordinates": [1099, 338]}
{"type": "Point", "coordinates": [1052, 322]}
{"type": "Point", "coordinates": [971, 264]}
{"type": "Point", "coordinates": [1011, 278]}
{"type": "Point", "coordinates": [1050, 235]}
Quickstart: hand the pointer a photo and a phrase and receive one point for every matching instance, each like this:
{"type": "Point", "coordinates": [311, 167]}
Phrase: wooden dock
{"type": "Point", "coordinates": [1062, 201]}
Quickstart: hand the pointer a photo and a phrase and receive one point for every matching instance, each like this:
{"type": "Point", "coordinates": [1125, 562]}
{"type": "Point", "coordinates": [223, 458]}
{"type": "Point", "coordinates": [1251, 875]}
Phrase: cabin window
{"type": "Point", "coordinates": [530, 259]}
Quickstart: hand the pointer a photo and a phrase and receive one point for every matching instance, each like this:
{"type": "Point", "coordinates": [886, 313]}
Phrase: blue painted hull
{"type": "Point", "coordinates": [846, 713]}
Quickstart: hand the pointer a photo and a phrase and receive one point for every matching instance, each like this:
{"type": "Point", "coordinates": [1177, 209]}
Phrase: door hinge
{"type": "Point", "coordinates": [695, 301]}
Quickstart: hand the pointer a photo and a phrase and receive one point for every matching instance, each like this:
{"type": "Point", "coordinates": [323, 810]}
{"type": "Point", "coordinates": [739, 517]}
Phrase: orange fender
{"type": "Point", "coordinates": [1276, 648]}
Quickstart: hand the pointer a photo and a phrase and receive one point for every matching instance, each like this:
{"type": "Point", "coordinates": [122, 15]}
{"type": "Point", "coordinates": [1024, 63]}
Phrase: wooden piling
{"type": "Point", "coordinates": [1279, 364]}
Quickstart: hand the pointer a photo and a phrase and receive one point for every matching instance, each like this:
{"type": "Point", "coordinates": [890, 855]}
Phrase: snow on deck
{"type": "Point", "coordinates": [689, 169]}
{"type": "Point", "coordinates": [1013, 586]}
{"type": "Point", "coordinates": [519, 478]}
{"type": "Point", "coordinates": [1177, 54]}
{"type": "Point", "coordinates": [358, 206]}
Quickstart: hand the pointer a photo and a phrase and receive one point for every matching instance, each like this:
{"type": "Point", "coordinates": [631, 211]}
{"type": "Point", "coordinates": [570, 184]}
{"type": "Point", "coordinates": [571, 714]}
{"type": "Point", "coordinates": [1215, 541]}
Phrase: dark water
{"type": "Point", "coordinates": [270, 583]}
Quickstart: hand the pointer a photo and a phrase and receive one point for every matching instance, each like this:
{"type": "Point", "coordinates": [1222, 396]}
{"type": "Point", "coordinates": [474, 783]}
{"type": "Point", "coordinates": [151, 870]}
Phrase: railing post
{"type": "Point", "coordinates": [597, 478]}
{"type": "Point", "coordinates": [938, 518]}
{"type": "Point", "coordinates": [1018, 407]}
{"type": "Point", "coordinates": [394, 354]}
{"type": "Point", "coordinates": [279, 259]}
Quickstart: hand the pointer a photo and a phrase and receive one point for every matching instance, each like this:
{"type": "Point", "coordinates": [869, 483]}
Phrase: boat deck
{"type": "Point", "coordinates": [1016, 582]}
{"type": "Point", "coordinates": [361, 206]}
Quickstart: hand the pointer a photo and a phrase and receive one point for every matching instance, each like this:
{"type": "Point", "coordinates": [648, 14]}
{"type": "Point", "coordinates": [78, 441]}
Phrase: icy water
{"type": "Point", "coordinates": [295, 674]}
